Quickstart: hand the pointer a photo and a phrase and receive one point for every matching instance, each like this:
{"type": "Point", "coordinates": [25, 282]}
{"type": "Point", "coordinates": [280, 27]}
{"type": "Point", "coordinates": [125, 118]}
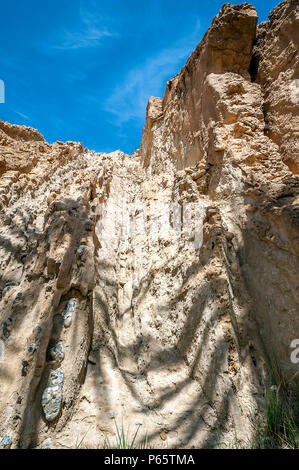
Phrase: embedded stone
{"type": "Point", "coordinates": [81, 250]}
{"type": "Point", "coordinates": [68, 312]}
{"type": "Point", "coordinates": [52, 396]}
{"type": "Point", "coordinates": [48, 444]}
{"type": "Point", "coordinates": [7, 327]}
{"type": "Point", "coordinates": [33, 347]}
{"type": "Point", "coordinates": [6, 442]}
{"type": "Point", "coordinates": [57, 353]}
{"type": "Point", "coordinates": [6, 289]}
{"type": "Point", "coordinates": [88, 225]}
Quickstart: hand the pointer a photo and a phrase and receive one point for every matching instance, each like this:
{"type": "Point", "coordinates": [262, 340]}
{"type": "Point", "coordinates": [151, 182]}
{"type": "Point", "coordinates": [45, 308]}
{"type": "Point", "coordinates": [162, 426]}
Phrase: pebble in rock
{"type": "Point", "coordinates": [6, 289]}
{"type": "Point", "coordinates": [7, 327]}
{"type": "Point", "coordinates": [68, 312]}
{"type": "Point", "coordinates": [52, 396]}
{"type": "Point", "coordinates": [6, 442]}
{"type": "Point", "coordinates": [88, 225]}
{"type": "Point", "coordinates": [33, 347]}
{"type": "Point", "coordinates": [57, 353]}
{"type": "Point", "coordinates": [81, 250]}
{"type": "Point", "coordinates": [48, 444]}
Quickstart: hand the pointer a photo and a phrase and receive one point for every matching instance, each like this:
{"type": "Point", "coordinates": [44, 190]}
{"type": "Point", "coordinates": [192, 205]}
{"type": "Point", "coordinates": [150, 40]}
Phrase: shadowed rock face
{"type": "Point", "coordinates": [159, 289]}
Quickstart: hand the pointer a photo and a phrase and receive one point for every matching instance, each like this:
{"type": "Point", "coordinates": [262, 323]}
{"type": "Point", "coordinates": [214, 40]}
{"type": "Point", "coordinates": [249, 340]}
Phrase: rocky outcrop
{"type": "Point", "coordinates": [180, 131]}
{"type": "Point", "coordinates": [246, 127]}
{"type": "Point", "coordinates": [275, 67]}
{"type": "Point", "coordinates": [160, 289]}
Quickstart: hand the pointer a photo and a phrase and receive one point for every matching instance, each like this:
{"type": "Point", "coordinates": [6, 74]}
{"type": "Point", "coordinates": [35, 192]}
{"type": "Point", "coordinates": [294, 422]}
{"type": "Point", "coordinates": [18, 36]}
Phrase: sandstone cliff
{"type": "Point", "coordinates": [159, 289]}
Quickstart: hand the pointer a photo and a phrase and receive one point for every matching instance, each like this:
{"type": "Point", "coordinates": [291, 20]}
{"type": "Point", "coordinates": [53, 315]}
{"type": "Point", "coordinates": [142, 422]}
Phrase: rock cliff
{"type": "Point", "coordinates": [161, 289]}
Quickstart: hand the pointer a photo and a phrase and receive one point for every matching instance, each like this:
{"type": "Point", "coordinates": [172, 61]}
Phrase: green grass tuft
{"type": "Point", "coordinates": [124, 441]}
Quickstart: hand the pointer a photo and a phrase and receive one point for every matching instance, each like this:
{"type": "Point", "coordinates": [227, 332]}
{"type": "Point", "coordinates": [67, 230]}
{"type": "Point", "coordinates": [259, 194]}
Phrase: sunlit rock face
{"type": "Point", "coordinates": [158, 290]}
{"type": "Point", "coordinates": [276, 69]}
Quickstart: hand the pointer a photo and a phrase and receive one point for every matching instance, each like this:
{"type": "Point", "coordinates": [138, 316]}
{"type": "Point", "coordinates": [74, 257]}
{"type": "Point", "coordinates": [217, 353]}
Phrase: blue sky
{"type": "Point", "coordinates": [83, 70]}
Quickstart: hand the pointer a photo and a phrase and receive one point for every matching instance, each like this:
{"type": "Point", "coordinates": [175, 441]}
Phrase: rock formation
{"type": "Point", "coordinates": [161, 289]}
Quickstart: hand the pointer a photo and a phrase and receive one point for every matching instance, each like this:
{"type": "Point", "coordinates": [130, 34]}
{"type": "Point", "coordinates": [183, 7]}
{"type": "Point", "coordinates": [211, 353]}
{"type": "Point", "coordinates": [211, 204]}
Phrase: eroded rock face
{"type": "Point", "coordinates": [276, 69]}
{"type": "Point", "coordinates": [179, 134]}
{"type": "Point", "coordinates": [157, 289]}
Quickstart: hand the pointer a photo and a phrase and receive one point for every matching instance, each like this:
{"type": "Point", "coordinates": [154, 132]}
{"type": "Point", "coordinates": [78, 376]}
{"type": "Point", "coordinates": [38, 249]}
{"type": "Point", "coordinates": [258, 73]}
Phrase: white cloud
{"type": "Point", "coordinates": [129, 99]}
{"type": "Point", "coordinates": [22, 115]}
{"type": "Point", "coordinates": [2, 92]}
{"type": "Point", "coordinates": [89, 32]}
{"type": "Point", "coordinates": [90, 37]}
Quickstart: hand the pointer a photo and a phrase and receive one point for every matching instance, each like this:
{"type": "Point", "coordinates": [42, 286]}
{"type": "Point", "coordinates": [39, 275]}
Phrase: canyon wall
{"type": "Point", "coordinates": [158, 290]}
{"type": "Point", "coordinates": [235, 115]}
